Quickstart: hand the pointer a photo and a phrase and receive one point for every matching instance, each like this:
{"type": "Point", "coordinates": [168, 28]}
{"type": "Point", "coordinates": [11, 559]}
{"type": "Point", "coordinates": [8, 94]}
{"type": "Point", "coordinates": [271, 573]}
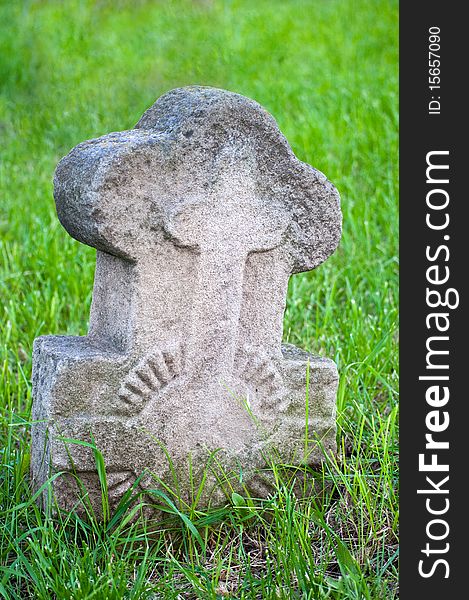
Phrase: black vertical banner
{"type": "Point", "coordinates": [434, 320]}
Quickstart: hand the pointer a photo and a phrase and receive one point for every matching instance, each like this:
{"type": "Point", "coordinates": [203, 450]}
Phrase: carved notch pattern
{"type": "Point", "coordinates": [151, 374]}
{"type": "Point", "coordinates": [259, 372]}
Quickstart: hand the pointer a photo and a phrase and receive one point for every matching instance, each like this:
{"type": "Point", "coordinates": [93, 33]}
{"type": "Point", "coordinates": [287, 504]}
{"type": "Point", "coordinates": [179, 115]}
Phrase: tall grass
{"type": "Point", "coordinates": [327, 70]}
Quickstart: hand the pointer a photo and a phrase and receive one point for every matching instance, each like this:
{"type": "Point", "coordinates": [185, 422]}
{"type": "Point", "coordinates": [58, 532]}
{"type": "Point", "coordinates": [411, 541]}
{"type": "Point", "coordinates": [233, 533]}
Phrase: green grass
{"type": "Point", "coordinates": [327, 71]}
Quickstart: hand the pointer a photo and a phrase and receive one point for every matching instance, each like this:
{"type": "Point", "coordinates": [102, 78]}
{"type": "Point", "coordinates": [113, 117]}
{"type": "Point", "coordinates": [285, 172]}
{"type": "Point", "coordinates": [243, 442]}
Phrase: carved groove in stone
{"type": "Point", "coordinates": [259, 372]}
{"type": "Point", "coordinates": [148, 377]}
{"type": "Point", "coordinates": [119, 482]}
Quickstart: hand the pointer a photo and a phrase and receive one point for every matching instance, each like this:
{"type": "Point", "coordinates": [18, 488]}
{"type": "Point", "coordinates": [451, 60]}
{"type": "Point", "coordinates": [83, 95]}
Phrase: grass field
{"type": "Point", "coordinates": [327, 71]}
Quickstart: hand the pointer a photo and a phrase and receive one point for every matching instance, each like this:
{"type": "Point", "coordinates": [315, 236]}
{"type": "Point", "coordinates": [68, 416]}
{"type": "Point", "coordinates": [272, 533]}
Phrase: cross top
{"type": "Point", "coordinates": [195, 144]}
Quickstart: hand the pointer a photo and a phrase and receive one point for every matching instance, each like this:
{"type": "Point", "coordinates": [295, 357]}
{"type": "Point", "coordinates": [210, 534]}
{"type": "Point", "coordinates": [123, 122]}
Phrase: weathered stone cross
{"type": "Point", "coordinates": [199, 215]}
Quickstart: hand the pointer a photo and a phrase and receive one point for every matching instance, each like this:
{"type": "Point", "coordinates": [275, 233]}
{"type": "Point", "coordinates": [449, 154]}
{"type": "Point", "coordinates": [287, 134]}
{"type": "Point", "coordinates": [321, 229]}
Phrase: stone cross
{"type": "Point", "coordinates": [199, 215]}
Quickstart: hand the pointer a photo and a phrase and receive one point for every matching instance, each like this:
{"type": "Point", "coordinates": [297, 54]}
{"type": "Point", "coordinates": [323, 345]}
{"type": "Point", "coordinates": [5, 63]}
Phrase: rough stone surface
{"type": "Point", "coordinates": [199, 215]}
